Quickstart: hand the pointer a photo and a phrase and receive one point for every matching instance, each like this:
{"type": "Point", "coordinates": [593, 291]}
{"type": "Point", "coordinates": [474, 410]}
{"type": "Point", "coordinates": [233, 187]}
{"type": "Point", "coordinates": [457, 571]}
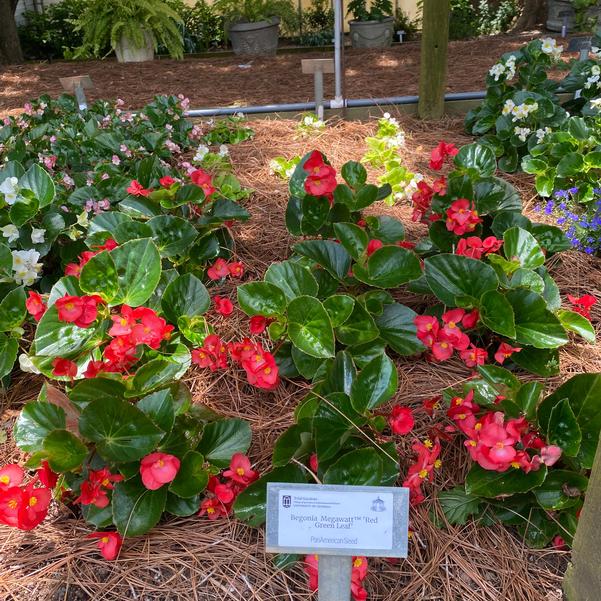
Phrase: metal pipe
{"type": "Point", "coordinates": [310, 106]}
{"type": "Point", "coordinates": [338, 97]}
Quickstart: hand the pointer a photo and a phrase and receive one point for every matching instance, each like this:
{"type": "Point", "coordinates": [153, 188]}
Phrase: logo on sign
{"type": "Point", "coordinates": [378, 505]}
{"type": "Point", "coordinates": [286, 501]}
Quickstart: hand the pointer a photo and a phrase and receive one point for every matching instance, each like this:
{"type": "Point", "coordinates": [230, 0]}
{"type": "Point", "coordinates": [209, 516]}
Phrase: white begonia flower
{"type": "Point", "coordinates": [508, 107]}
{"type": "Point", "coordinates": [596, 70]}
{"type": "Point", "coordinates": [497, 70]}
{"type": "Point", "coordinates": [596, 104]}
{"type": "Point", "coordinates": [308, 120]}
{"type": "Point", "coordinates": [68, 180]}
{"type": "Point", "coordinates": [201, 153]}
{"type": "Point", "coordinates": [26, 364]}
{"type": "Point", "coordinates": [550, 47]}
{"type": "Point", "coordinates": [224, 151]}
{"type": "Point", "coordinates": [522, 133]}
{"type": "Point", "coordinates": [25, 266]}
{"type": "Point", "coordinates": [596, 52]}
{"type": "Point", "coordinates": [10, 188]}
{"type": "Point", "coordinates": [11, 232]}
{"type": "Point", "coordinates": [38, 236]}
{"type": "Point", "coordinates": [82, 219]}
{"type": "Point", "coordinates": [510, 67]}
{"type": "Point", "coordinates": [541, 133]}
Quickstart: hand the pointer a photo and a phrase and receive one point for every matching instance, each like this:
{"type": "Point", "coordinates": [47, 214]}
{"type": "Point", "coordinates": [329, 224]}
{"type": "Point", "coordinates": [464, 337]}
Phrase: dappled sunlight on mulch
{"type": "Point", "coordinates": [194, 559]}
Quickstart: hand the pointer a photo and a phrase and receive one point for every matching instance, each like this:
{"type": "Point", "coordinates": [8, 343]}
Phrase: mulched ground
{"type": "Point", "coordinates": [222, 81]}
{"type": "Point", "coordinates": [196, 560]}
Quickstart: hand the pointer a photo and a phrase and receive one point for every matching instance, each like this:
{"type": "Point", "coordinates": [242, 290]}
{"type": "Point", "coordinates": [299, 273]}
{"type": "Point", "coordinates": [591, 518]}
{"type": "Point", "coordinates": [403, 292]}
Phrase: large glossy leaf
{"type": "Point", "coordinates": [12, 309]}
{"type": "Point", "coordinates": [330, 255]}
{"type": "Point", "coordinates": [497, 314]}
{"type": "Point", "coordinates": [261, 298]}
{"type": "Point", "coordinates": [192, 478]}
{"type": "Point", "coordinates": [359, 328]}
{"type": "Point", "coordinates": [172, 235]}
{"type": "Point", "coordinates": [221, 439]}
{"type": "Point", "coordinates": [476, 160]}
{"type": "Point", "coordinates": [160, 372]}
{"type": "Point", "coordinates": [459, 281]}
{"type": "Point", "coordinates": [485, 483]}
{"type": "Point", "coordinates": [64, 450]}
{"type": "Point", "coordinates": [398, 330]}
{"type": "Point", "coordinates": [362, 467]}
{"type": "Point", "coordinates": [563, 429]}
{"type": "Point", "coordinates": [353, 238]}
{"type": "Point", "coordinates": [36, 420]}
{"type": "Point", "coordinates": [310, 328]}
{"type": "Point", "coordinates": [159, 407]}
{"type": "Point", "coordinates": [376, 383]}
{"type": "Point", "coordinates": [542, 362]}
{"type": "Point", "coordinates": [138, 266]}
{"type": "Point", "coordinates": [88, 390]}
{"type": "Point", "coordinates": [296, 442]}
{"type": "Point", "coordinates": [577, 323]}
{"type": "Point", "coordinates": [9, 348]}
{"type": "Point", "coordinates": [121, 431]}
{"type": "Point", "coordinates": [535, 325]}
{"type": "Point", "coordinates": [99, 276]}
{"type": "Point", "coordinates": [185, 295]}
{"type": "Point", "coordinates": [583, 392]}
{"type": "Point", "coordinates": [551, 494]}
{"type": "Point", "coordinates": [520, 245]}
{"type": "Point", "coordinates": [292, 279]}
{"type": "Point", "coordinates": [250, 504]}
{"type": "Point", "coordinates": [40, 183]}
{"type": "Point", "coordinates": [389, 267]}
{"type": "Point", "coordinates": [136, 510]}
{"type": "Point", "coordinates": [339, 308]}
{"type": "Point", "coordinates": [458, 506]}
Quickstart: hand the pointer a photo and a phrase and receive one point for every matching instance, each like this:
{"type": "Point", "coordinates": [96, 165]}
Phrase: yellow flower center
{"type": "Point", "coordinates": [478, 427]}
{"type": "Point", "coordinates": [104, 539]}
{"type": "Point", "coordinates": [105, 482]}
{"type": "Point", "coordinates": [240, 471]}
{"type": "Point", "coordinates": [267, 371]}
{"type": "Point", "coordinates": [210, 510]}
{"type": "Point", "coordinates": [423, 473]}
{"type": "Point", "coordinates": [437, 463]}
{"type": "Point", "coordinates": [428, 443]}
{"type": "Point", "coordinates": [4, 479]}
{"type": "Point", "coordinates": [515, 464]}
{"type": "Point", "coordinates": [12, 504]}
{"type": "Point", "coordinates": [358, 562]}
{"type": "Point", "coordinates": [33, 501]}
{"type": "Point", "coordinates": [472, 443]}
{"type": "Point", "coordinates": [160, 463]}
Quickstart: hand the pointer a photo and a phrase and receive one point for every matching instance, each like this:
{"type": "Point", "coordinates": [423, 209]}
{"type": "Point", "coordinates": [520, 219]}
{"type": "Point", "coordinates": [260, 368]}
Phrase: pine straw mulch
{"type": "Point", "coordinates": [237, 81]}
{"type": "Point", "coordinates": [194, 559]}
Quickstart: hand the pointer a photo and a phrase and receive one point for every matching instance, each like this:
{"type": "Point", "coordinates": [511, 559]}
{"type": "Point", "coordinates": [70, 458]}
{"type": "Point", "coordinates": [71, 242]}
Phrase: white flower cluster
{"type": "Point", "coordinates": [519, 111]}
{"type": "Point", "coordinates": [596, 52]}
{"type": "Point", "coordinates": [522, 132]}
{"type": "Point", "coordinates": [550, 47]}
{"type": "Point", "coordinates": [594, 78]}
{"type": "Point", "coordinates": [26, 268]}
{"type": "Point", "coordinates": [507, 69]}
{"type": "Point", "coordinates": [396, 141]}
{"type": "Point", "coordinates": [312, 121]}
{"type": "Point", "coordinates": [541, 133]}
{"type": "Point", "coordinates": [10, 188]}
{"type": "Point", "coordinates": [201, 153]}
{"type": "Point", "coordinates": [408, 188]}
{"type": "Point", "coordinates": [596, 104]}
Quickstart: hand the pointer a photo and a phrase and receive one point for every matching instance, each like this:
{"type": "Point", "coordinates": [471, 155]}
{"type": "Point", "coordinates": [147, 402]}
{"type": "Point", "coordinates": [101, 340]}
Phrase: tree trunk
{"type": "Point", "coordinates": [10, 46]}
{"type": "Point", "coordinates": [533, 14]}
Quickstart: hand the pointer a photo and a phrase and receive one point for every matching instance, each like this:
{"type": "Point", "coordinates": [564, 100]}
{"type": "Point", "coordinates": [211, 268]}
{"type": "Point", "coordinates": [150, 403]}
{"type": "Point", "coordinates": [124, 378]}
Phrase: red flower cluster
{"type": "Point", "coordinates": [212, 354]}
{"type": "Point", "coordinates": [373, 246]}
{"type": "Point", "coordinates": [321, 180]}
{"type": "Point", "coordinates": [35, 305]}
{"type": "Point", "coordinates": [462, 217]}
{"type": "Point", "coordinates": [109, 543]}
{"type": "Point", "coordinates": [422, 469]}
{"type": "Point", "coordinates": [74, 269]}
{"type": "Point", "coordinates": [440, 153]}
{"type": "Point", "coordinates": [64, 367]}
{"type": "Point", "coordinates": [505, 351]}
{"type": "Point", "coordinates": [582, 304]}
{"type": "Point", "coordinates": [22, 506]}
{"type": "Point", "coordinates": [79, 310]}
{"type": "Point", "coordinates": [223, 306]}
{"type": "Point", "coordinates": [444, 340]}
{"type": "Point", "coordinates": [222, 269]}
{"type": "Point", "coordinates": [137, 189]}
{"type": "Point", "coordinates": [157, 469]}
{"type": "Point", "coordinates": [358, 575]}
{"type": "Point", "coordinates": [475, 247]}
{"type": "Point", "coordinates": [258, 323]}
{"type": "Point", "coordinates": [422, 199]}
{"type": "Point", "coordinates": [203, 180]}
{"type": "Point", "coordinates": [259, 364]}
{"type": "Point", "coordinates": [167, 181]}
{"type": "Point", "coordinates": [401, 420]}
{"type": "Point", "coordinates": [93, 491]}
{"type": "Point", "coordinates": [224, 490]}
{"type": "Point", "coordinates": [496, 444]}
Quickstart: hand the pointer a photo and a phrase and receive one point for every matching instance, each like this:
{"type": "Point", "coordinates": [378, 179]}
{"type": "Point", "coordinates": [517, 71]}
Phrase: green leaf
{"type": "Point", "coordinates": [459, 281]}
{"type": "Point", "coordinates": [99, 276]}
{"type": "Point", "coordinates": [398, 330]}
{"type": "Point", "coordinates": [330, 255]}
{"type": "Point", "coordinates": [173, 235]}
{"type": "Point", "coordinates": [497, 314]}
{"type": "Point", "coordinates": [563, 429]}
{"type": "Point", "coordinates": [353, 238]}
{"type": "Point", "coordinates": [159, 407]}
{"type": "Point", "coordinates": [12, 309]}
{"type": "Point", "coordinates": [191, 478]}
{"type": "Point", "coordinates": [35, 422]}
{"type": "Point", "coordinates": [40, 183]}
{"type": "Point", "coordinates": [389, 267]}
{"type": "Point", "coordinates": [251, 503]}
{"type": "Point", "coordinates": [339, 308]}
{"type": "Point", "coordinates": [99, 517]}
{"type": "Point", "coordinates": [476, 160]}
{"type": "Point", "coordinates": [160, 372]}
{"type": "Point", "coordinates": [88, 390]}
{"type": "Point", "coordinates": [292, 279]}
{"type": "Point", "coordinates": [306, 365]}
{"type": "Point", "coordinates": [526, 278]}
{"type": "Point", "coordinates": [551, 494]}
{"type": "Point", "coordinates": [138, 266]}
{"type": "Point", "coordinates": [376, 383]}
{"type": "Point", "coordinates": [500, 378]}
{"type": "Point", "coordinates": [185, 295]}
{"type": "Point", "coordinates": [296, 442]}
{"type": "Point", "coordinates": [121, 431]}
{"type": "Point", "coordinates": [385, 228]}
{"type": "Point", "coordinates": [535, 325]}
{"type": "Point", "coordinates": [488, 484]}
{"type": "Point", "coordinates": [314, 213]}
{"type": "Point", "coordinates": [520, 245]}
{"type": "Point", "coordinates": [221, 439]}
{"type": "Point", "coordinates": [359, 328]}
{"type": "Point", "coordinates": [182, 507]}
{"type": "Point", "coordinates": [339, 376]}
{"type": "Point", "coordinates": [542, 362]}
{"type": "Point", "coordinates": [571, 164]}
{"type": "Point", "coordinates": [362, 467]}
{"type": "Point", "coordinates": [354, 174]}
{"type": "Point", "coordinates": [310, 328]}
{"type": "Point", "coordinates": [261, 298]}
{"type": "Point", "coordinates": [458, 506]}
{"type": "Point", "coordinates": [583, 392]}
{"type": "Point", "coordinates": [9, 348]}
{"type": "Point", "coordinates": [136, 510]}
{"type": "Point", "coordinates": [527, 398]}
{"type": "Point", "coordinates": [64, 450]}
{"type": "Point", "coordinates": [574, 322]}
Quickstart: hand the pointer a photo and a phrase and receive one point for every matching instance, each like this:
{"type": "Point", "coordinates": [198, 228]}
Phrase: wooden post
{"type": "Point", "coordinates": [433, 58]}
{"type": "Point", "coordinates": [582, 581]}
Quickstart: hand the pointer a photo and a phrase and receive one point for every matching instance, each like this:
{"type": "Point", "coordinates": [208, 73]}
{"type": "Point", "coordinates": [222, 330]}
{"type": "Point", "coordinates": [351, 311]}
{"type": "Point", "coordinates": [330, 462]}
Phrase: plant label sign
{"type": "Point", "coordinates": [337, 520]}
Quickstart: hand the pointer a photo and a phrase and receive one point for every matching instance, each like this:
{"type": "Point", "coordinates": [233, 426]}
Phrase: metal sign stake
{"type": "Point", "coordinates": [334, 577]}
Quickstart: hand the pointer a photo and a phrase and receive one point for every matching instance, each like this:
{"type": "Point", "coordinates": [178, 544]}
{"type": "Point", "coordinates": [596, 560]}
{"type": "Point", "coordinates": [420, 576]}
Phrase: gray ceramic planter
{"type": "Point", "coordinates": [555, 18]}
{"type": "Point", "coordinates": [372, 34]}
{"type": "Point", "coordinates": [128, 53]}
{"type": "Point", "coordinates": [255, 39]}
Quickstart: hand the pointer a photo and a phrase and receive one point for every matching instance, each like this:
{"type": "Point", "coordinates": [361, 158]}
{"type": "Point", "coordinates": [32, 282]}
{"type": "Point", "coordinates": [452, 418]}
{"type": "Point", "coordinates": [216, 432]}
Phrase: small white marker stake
{"type": "Point", "coordinates": [334, 577]}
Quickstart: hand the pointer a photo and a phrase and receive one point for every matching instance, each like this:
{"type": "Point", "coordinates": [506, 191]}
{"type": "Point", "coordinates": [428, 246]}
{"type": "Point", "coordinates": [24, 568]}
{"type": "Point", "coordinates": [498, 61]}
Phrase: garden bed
{"type": "Point", "coordinates": [223, 81]}
{"type": "Point", "coordinates": [197, 559]}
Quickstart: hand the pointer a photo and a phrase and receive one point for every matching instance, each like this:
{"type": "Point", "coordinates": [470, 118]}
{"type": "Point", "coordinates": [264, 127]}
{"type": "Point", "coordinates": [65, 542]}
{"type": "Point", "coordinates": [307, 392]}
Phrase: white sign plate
{"type": "Point", "coordinates": [337, 520]}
